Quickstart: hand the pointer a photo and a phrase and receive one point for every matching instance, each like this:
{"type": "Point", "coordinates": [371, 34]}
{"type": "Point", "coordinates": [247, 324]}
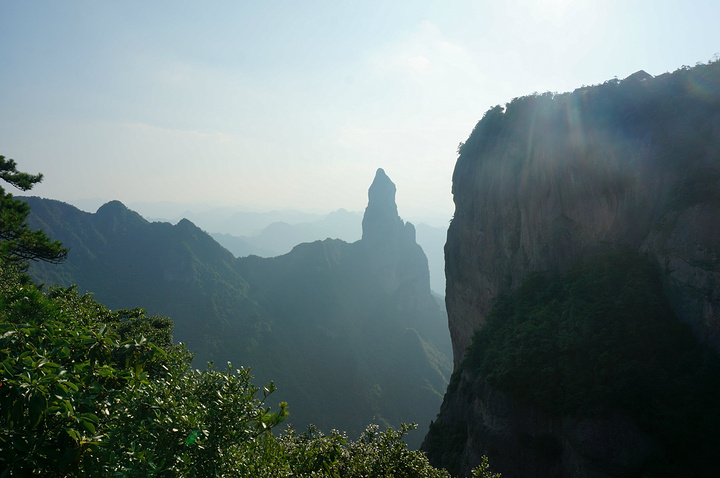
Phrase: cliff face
{"type": "Point", "coordinates": [546, 181]}
{"type": "Point", "coordinates": [524, 441]}
{"type": "Point", "coordinates": [552, 178]}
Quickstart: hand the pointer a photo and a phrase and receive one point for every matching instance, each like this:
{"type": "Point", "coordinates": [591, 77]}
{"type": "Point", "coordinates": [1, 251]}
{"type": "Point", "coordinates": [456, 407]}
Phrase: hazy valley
{"type": "Point", "coordinates": [337, 326]}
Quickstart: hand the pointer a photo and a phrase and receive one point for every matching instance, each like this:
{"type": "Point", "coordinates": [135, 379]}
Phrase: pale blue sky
{"type": "Point", "coordinates": [265, 105]}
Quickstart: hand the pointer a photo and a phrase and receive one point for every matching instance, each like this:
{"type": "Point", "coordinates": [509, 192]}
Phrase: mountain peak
{"type": "Point", "coordinates": [112, 207]}
{"type": "Point", "coordinates": [382, 192]}
{"type": "Point", "coordinates": [114, 215]}
{"type": "Point", "coordinates": [381, 217]}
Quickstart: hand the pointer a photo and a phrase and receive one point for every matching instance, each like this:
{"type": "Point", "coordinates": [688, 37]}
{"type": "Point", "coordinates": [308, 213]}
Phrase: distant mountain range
{"type": "Point", "coordinates": [273, 233]}
{"type": "Point", "coordinates": [280, 237]}
{"type": "Point", "coordinates": [349, 332]}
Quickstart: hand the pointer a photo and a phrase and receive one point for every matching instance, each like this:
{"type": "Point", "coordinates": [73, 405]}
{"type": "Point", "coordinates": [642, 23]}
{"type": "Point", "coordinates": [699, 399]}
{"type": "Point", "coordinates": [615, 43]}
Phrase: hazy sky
{"type": "Point", "coordinates": [294, 104]}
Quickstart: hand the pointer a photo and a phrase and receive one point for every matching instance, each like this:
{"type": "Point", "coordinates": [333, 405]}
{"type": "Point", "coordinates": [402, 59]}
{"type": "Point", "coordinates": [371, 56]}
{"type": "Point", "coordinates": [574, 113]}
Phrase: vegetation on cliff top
{"type": "Point", "coordinates": [669, 110]}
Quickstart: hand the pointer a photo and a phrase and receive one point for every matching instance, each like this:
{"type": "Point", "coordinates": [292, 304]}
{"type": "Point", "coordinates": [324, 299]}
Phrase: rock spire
{"type": "Point", "coordinates": [381, 221]}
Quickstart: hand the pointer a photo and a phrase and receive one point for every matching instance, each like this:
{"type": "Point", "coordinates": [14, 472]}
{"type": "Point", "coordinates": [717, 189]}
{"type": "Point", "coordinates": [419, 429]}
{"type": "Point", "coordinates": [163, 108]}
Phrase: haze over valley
{"type": "Point", "coordinates": [335, 325]}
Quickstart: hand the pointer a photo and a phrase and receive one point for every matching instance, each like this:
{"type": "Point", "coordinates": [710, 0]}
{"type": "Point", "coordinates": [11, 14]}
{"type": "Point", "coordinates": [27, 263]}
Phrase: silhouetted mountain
{"type": "Point", "coordinates": [127, 262]}
{"type": "Point", "coordinates": [350, 333]}
{"type": "Point", "coordinates": [279, 238]}
{"type": "Point", "coordinates": [432, 240]}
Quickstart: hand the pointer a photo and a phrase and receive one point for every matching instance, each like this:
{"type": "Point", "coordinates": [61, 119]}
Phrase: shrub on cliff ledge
{"type": "Point", "coordinates": [599, 338]}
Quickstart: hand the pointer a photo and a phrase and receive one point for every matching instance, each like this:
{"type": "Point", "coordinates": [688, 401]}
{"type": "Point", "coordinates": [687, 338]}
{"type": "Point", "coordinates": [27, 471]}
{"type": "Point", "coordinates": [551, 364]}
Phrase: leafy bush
{"type": "Point", "coordinates": [62, 371]}
{"type": "Point", "coordinates": [83, 392]}
{"type": "Point", "coordinates": [76, 399]}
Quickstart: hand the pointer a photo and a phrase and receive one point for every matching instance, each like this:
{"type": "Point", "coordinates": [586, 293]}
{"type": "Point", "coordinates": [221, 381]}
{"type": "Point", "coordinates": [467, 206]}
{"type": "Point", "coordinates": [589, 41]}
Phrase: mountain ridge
{"type": "Point", "coordinates": [286, 317]}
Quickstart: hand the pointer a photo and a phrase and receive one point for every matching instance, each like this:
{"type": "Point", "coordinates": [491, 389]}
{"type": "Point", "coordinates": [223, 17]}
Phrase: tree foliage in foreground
{"type": "Point", "coordinates": [84, 393]}
{"type": "Point", "coordinates": [18, 243]}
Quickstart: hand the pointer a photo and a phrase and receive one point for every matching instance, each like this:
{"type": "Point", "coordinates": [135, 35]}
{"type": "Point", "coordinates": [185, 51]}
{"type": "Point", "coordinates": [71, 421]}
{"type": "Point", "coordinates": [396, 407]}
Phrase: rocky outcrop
{"type": "Point", "coordinates": [399, 263]}
{"type": "Point", "coordinates": [381, 223]}
{"type": "Point", "coordinates": [363, 318]}
{"type": "Point", "coordinates": [549, 179]}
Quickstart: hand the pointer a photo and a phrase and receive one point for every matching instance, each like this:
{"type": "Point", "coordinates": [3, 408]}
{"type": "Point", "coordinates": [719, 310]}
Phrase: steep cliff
{"type": "Point", "coordinates": [550, 179]}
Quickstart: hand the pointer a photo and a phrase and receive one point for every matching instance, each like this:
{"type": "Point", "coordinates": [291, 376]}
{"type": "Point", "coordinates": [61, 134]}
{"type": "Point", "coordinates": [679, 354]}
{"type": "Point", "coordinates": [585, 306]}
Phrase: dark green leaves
{"type": "Point", "coordinates": [19, 244]}
{"type": "Point", "coordinates": [192, 437]}
{"type": "Point", "coordinates": [10, 174]}
{"type": "Point", "coordinates": [61, 372]}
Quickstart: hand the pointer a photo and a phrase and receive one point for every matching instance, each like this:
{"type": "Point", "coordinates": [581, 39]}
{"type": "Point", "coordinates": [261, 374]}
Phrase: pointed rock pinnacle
{"type": "Point", "coordinates": [381, 219]}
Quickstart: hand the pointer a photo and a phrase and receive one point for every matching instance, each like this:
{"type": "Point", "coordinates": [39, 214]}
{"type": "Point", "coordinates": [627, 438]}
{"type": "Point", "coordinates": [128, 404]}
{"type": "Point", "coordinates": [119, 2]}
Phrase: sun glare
{"type": "Point", "coordinates": [554, 11]}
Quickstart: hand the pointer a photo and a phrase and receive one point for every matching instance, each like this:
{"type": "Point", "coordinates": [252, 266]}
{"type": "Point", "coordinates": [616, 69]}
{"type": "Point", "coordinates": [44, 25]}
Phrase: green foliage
{"type": "Point", "coordinates": [190, 424]}
{"type": "Point", "coordinates": [10, 174]}
{"type": "Point", "coordinates": [83, 392]}
{"type": "Point", "coordinates": [483, 470]}
{"type": "Point", "coordinates": [571, 343]}
{"type": "Point", "coordinates": [19, 244]}
{"type": "Point", "coordinates": [62, 371]}
{"type": "Point", "coordinates": [374, 453]}
{"type": "Point", "coordinates": [381, 454]}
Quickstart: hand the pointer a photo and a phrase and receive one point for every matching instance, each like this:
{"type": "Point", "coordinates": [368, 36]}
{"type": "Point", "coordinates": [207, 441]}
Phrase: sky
{"type": "Point", "coordinates": [265, 105]}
